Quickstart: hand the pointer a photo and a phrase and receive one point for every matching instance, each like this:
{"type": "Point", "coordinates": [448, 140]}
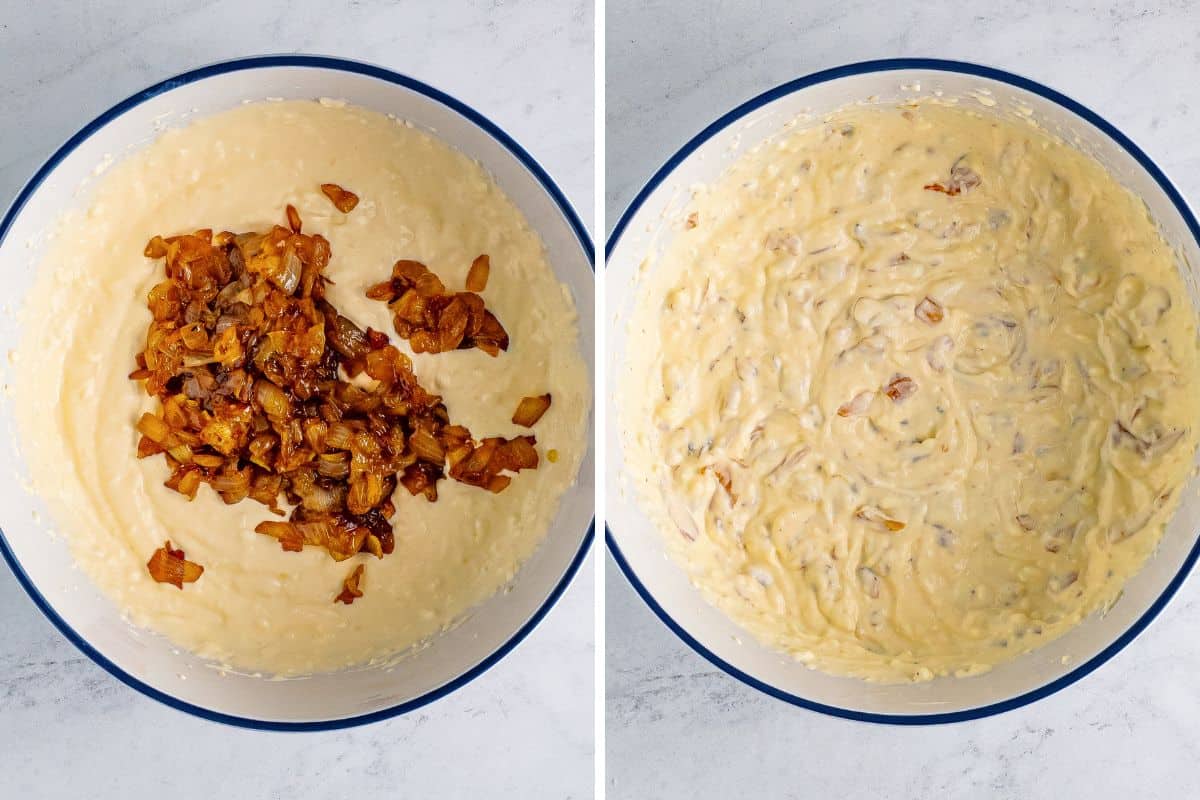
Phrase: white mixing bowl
{"type": "Point", "coordinates": [640, 549]}
{"type": "Point", "coordinates": [149, 662]}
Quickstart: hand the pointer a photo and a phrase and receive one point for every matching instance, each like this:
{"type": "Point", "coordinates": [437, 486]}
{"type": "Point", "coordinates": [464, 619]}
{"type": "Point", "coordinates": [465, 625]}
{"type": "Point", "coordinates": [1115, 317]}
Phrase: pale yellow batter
{"type": "Point", "coordinates": [916, 391]}
{"type": "Point", "coordinates": [257, 607]}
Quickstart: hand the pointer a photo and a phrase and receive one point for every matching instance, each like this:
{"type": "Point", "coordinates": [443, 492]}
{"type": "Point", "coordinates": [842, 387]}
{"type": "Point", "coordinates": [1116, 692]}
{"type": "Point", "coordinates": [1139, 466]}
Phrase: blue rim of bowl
{"type": "Point", "coordinates": [892, 65]}
{"type": "Point", "coordinates": [480, 121]}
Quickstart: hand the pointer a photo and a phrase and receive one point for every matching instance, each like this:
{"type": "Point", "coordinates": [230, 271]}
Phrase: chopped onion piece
{"type": "Point", "coordinates": [351, 587]}
{"type": "Point", "coordinates": [168, 565]}
{"type": "Point", "coordinates": [477, 276]}
{"type": "Point", "coordinates": [343, 200]}
{"type": "Point", "coordinates": [530, 410]}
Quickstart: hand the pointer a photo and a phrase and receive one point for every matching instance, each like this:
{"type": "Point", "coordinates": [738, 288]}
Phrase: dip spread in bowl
{"type": "Point", "coordinates": [257, 607]}
{"type": "Point", "coordinates": [912, 390]}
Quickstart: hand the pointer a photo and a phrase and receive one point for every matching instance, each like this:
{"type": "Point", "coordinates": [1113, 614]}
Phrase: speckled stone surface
{"type": "Point", "coordinates": [523, 729]}
{"type": "Point", "coordinates": [679, 728]}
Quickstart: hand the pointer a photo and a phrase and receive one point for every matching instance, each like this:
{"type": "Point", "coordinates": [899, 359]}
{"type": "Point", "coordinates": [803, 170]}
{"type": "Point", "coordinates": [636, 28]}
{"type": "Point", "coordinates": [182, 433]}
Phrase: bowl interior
{"type": "Point", "coordinates": [150, 660]}
{"type": "Point", "coordinates": [641, 547]}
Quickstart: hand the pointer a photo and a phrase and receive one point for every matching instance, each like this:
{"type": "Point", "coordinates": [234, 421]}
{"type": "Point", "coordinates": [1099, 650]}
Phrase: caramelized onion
{"type": "Point", "coordinates": [427, 446]}
{"type": "Point", "coordinates": [530, 410]}
{"type": "Point", "coordinates": [340, 436]}
{"type": "Point", "coordinates": [334, 465]}
{"type": "Point", "coordinates": [899, 388]}
{"type": "Point", "coordinates": [248, 361]}
{"type": "Point", "coordinates": [929, 311]}
{"type": "Point", "coordinates": [477, 276]}
{"type": "Point", "coordinates": [271, 399]}
{"type": "Point", "coordinates": [168, 565]}
{"type": "Point", "coordinates": [351, 587]}
{"type": "Point", "coordinates": [343, 200]}
{"type": "Point", "coordinates": [434, 320]}
{"type": "Point", "coordinates": [344, 336]}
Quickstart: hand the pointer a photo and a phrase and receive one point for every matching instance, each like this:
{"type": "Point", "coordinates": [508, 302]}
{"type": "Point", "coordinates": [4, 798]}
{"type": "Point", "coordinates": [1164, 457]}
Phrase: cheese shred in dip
{"type": "Point", "coordinates": [916, 391]}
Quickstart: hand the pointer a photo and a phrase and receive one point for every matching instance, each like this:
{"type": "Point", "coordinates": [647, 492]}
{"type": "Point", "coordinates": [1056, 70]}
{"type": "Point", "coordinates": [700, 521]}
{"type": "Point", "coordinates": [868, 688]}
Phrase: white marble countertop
{"type": "Point", "coordinates": [679, 728]}
{"type": "Point", "coordinates": [524, 728]}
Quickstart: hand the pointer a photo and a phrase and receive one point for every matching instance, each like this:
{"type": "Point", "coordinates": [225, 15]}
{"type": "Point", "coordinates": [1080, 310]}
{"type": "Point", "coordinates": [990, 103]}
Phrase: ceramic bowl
{"type": "Point", "coordinates": [639, 548]}
{"type": "Point", "coordinates": [149, 662]}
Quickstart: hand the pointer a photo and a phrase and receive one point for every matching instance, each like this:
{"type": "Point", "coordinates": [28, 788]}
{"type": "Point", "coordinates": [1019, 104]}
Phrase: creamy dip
{"type": "Point", "coordinates": [257, 607]}
{"type": "Point", "coordinates": [913, 390]}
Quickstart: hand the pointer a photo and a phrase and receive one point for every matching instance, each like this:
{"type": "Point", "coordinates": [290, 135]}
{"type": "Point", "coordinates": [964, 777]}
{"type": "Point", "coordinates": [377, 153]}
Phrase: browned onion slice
{"type": "Point", "coordinates": [351, 587]}
{"type": "Point", "coordinates": [168, 565]}
{"type": "Point", "coordinates": [530, 410]}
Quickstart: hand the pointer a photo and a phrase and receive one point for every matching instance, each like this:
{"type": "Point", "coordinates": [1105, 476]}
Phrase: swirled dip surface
{"type": "Point", "coordinates": [257, 607]}
{"type": "Point", "coordinates": [917, 391]}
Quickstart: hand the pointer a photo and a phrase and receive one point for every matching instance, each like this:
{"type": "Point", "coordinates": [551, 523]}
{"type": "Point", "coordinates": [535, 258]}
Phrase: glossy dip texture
{"type": "Point", "coordinates": [911, 390]}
